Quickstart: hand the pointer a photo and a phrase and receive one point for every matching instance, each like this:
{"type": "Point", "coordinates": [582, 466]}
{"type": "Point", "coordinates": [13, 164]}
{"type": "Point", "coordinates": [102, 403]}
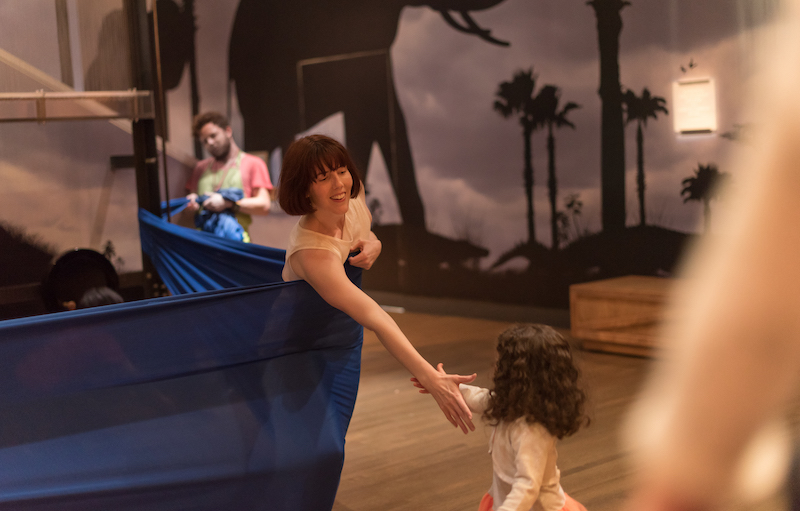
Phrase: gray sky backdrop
{"type": "Point", "coordinates": [468, 158]}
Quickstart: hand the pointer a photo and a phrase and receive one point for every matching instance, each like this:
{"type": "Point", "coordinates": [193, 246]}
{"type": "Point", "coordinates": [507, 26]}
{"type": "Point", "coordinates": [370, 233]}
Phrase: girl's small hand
{"type": "Point", "coordinates": [368, 252]}
{"type": "Point", "coordinates": [444, 389]}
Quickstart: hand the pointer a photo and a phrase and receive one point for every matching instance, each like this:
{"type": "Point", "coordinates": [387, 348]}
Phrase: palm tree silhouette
{"type": "Point", "coordinates": [547, 112]}
{"type": "Point", "coordinates": [609, 27]}
{"type": "Point", "coordinates": [638, 109]}
{"type": "Point", "coordinates": [704, 186]}
{"type": "Point", "coordinates": [516, 98]}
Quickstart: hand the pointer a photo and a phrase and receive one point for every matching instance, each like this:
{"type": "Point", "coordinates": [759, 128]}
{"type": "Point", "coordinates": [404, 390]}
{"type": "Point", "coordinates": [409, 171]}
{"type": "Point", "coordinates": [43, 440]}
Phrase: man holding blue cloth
{"type": "Point", "coordinates": [230, 185]}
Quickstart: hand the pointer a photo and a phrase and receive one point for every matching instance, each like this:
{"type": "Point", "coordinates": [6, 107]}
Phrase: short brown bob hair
{"type": "Point", "coordinates": [306, 158]}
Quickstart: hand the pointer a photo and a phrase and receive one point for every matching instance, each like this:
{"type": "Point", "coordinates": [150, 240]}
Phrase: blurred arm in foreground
{"type": "Point", "coordinates": [732, 359]}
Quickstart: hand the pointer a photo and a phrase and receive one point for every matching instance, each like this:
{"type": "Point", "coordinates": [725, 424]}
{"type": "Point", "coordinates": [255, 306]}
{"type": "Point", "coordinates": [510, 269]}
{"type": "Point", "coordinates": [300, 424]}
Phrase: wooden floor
{"type": "Point", "coordinates": [403, 455]}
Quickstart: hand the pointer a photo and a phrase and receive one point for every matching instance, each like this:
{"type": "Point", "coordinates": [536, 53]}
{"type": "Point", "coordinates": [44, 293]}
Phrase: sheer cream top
{"type": "Point", "coordinates": [357, 222]}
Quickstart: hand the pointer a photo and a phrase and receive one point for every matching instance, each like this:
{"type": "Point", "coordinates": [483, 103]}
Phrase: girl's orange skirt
{"type": "Point", "coordinates": [570, 504]}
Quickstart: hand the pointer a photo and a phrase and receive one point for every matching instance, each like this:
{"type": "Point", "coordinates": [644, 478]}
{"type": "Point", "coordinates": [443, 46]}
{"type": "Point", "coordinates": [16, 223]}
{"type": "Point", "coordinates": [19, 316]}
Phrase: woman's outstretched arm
{"type": "Point", "coordinates": [323, 270]}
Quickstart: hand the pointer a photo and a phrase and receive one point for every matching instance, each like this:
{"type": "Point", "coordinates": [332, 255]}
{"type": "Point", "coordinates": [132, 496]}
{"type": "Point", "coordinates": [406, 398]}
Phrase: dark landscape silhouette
{"type": "Point", "coordinates": [289, 76]}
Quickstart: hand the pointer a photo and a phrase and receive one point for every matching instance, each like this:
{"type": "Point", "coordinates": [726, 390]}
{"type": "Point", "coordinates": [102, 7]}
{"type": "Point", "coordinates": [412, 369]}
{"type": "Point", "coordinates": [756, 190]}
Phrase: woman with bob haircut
{"type": "Point", "coordinates": [320, 184]}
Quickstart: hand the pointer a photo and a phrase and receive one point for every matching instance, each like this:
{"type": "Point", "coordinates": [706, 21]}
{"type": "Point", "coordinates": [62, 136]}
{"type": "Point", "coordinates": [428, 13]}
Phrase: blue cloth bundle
{"type": "Point", "coordinates": [224, 223]}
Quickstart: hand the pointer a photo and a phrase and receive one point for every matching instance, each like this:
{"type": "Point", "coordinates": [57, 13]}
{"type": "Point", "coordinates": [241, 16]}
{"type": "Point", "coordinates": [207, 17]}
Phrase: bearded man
{"type": "Point", "coordinates": [230, 181]}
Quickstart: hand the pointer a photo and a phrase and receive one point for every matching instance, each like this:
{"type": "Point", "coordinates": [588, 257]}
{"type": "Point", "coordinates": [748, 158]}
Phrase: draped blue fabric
{"type": "Point", "coordinates": [188, 260]}
{"type": "Point", "coordinates": [234, 399]}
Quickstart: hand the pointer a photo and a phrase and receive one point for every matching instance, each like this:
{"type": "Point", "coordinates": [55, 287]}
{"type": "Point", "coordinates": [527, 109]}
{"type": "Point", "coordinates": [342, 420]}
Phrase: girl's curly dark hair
{"type": "Point", "coordinates": [536, 378]}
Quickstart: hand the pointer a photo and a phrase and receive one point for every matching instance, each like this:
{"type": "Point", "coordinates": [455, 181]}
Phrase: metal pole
{"type": "Point", "coordinates": [162, 106]}
{"type": "Point", "coordinates": [188, 8]}
{"type": "Point", "coordinates": [64, 50]}
{"type": "Point", "coordinates": [145, 153]}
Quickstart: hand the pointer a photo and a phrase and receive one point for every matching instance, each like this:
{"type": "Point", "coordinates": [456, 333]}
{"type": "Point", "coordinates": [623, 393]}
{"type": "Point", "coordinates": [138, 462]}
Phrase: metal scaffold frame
{"type": "Point", "coordinates": [75, 105]}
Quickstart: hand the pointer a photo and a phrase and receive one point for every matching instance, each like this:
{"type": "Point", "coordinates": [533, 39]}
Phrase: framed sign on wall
{"type": "Point", "coordinates": [695, 106]}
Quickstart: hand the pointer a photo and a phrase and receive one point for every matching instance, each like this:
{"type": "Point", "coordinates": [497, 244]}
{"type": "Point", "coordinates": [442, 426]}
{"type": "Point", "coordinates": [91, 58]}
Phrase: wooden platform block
{"type": "Point", "coordinates": [619, 315]}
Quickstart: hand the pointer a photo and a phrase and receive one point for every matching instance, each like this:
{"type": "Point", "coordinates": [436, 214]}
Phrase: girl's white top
{"type": "Point", "coordinates": [523, 459]}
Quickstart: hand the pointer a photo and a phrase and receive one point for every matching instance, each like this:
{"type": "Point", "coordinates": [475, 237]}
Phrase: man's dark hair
{"type": "Point", "coordinates": [209, 117]}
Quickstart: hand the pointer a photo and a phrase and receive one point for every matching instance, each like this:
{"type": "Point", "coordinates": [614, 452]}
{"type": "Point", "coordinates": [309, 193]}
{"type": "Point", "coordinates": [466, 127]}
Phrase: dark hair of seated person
{"type": "Point", "coordinates": [99, 296]}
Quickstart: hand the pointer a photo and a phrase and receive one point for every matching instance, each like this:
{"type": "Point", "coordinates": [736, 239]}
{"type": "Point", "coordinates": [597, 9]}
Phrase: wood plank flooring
{"type": "Point", "coordinates": [402, 454]}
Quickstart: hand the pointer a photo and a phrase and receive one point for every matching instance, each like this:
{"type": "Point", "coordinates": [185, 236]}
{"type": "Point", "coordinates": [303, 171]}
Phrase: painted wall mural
{"type": "Point", "coordinates": [510, 147]}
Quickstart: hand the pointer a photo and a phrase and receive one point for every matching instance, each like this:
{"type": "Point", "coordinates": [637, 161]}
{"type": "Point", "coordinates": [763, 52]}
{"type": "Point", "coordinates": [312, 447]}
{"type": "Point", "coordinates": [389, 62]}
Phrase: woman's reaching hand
{"type": "Point", "coordinates": [444, 389]}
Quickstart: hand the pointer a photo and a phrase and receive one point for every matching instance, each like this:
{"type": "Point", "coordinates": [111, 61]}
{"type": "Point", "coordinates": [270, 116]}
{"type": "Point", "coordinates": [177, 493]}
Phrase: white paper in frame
{"type": "Point", "coordinates": [695, 106]}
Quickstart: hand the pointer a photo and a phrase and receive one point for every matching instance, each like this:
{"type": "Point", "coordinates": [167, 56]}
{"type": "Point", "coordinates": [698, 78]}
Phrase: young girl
{"type": "Point", "coordinates": [535, 400]}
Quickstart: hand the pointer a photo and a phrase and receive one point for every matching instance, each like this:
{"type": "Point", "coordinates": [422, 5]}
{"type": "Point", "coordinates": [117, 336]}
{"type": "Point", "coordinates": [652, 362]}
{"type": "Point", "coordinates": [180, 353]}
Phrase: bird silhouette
{"type": "Point", "coordinates": [691, 65]}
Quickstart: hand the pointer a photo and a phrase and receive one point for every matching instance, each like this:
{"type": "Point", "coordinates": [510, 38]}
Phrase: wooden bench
{"type": "Point", "coordinates": [619, 315]}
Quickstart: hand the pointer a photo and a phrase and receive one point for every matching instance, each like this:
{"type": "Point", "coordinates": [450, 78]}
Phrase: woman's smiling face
{"type": "Point", "coordinates": [330, 191]}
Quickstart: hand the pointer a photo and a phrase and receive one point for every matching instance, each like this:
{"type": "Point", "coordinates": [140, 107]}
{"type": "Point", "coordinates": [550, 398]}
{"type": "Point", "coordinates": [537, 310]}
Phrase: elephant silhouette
{"type": "Point", "coordinates": [295, 62]}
